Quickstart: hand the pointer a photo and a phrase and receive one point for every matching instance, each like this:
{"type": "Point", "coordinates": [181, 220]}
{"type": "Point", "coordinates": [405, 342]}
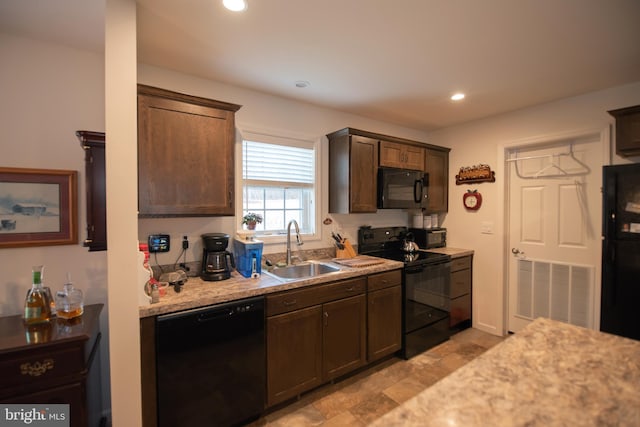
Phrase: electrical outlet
{"type": "Point", "coordinates": [185, 242]}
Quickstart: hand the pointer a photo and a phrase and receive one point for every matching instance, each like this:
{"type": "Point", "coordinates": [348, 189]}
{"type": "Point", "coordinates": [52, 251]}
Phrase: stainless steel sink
{"type": "Point", "coordinates": [303, 271]}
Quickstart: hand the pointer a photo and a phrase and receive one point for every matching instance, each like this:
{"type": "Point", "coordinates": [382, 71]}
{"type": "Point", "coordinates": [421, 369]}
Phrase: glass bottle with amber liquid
{"type": "Point", "coordinates": [37, 305]}
{"type": "Point", "coordinates": [69, 301]}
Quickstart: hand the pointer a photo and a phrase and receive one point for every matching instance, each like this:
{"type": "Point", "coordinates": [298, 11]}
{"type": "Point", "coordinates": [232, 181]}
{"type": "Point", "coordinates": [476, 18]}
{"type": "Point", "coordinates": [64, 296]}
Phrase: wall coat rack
{"type": "Point", "coordinates": [557, 171]}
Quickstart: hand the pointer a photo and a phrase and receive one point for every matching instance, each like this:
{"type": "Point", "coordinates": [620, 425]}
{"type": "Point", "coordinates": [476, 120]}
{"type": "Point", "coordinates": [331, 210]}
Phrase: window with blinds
{"type": "Point", "coordinates": [278, 182]}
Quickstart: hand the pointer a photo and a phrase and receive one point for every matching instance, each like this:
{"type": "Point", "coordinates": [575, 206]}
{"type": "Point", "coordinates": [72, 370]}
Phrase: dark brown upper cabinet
{"type": "Point", "coordinates": [627, 130]}
{"type": "Point", "coordinates": [185, 154]}
{"type": "Point", "coordinates": [354, 158]}
{"type": "Point", "coordinates": [437, 166]}
{"type": "Point", "coordinates": [353, 172]}
{"type": "Point", "coordinates": [401, 156]}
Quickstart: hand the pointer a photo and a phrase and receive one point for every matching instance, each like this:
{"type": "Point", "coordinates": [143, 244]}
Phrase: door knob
{"type": "Point", "coordinates": [516, 251]}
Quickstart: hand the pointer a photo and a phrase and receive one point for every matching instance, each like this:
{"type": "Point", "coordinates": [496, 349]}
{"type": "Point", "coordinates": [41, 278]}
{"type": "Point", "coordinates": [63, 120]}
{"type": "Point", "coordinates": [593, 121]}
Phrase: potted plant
{"type": "Point", "coordinates": [251, 219]}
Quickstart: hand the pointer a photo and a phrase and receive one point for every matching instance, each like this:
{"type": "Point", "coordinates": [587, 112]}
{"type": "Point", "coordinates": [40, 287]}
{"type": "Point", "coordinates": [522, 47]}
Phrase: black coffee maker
{"type": "Point", "coordinates": [217, 262]}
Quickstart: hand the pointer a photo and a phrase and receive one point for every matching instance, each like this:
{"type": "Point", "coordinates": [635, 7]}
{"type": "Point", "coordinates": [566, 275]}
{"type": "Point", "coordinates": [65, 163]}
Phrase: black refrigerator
{"type": "Point", "coordinates": [620, 306]}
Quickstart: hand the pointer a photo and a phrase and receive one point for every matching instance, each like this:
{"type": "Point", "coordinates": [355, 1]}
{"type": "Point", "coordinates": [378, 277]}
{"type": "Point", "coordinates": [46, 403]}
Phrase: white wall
{"type": "Point", "coordinates": [481, 142]}
{"type": "Point", "coordinates": [49, 92]}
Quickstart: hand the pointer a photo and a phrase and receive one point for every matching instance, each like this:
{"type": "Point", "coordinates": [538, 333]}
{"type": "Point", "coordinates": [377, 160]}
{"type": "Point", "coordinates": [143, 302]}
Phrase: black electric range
{"type": "Point", "coordinates": [425, 287]}
{"type": "Point", "coordinates": [387, 242]}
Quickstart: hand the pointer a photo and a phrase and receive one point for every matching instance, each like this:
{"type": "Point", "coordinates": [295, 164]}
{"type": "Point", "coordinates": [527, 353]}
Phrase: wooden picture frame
{"type": "Point", "coordinates": [38, 207]}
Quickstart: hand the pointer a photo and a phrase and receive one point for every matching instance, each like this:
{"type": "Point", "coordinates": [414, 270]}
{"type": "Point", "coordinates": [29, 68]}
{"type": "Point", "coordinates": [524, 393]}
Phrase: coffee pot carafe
{"type": "Point", "coordinates": [217, 262]}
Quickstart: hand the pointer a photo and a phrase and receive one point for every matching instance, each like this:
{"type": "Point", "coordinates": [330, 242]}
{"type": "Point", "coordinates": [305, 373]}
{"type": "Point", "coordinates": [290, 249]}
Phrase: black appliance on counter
{"type": "Point", "coordinates": [619, 312]}
{"type": "Point", "coordinates": [426, 281]}
{"type": "Point", "coordinates": [217, 262]}
{"type": "Point", "coordinates": [429, 238]}
{"type": "Point", "coordinates": [402, 189]}
{"type": "Point", "coordinates": [211, 365]}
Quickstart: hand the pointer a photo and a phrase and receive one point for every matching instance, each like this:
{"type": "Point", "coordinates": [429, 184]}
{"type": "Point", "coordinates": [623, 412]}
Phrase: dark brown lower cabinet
{"type": "Point", "coordinates": [461, 276]}
{"type": "Point", "coordinates": [313, 336]}
{"type": "Point", "coordinates": [384, 318]}
{"type": "Point", "coordinates": [294, 353]}
{"type": "Point", "coordinates": [344, 336]}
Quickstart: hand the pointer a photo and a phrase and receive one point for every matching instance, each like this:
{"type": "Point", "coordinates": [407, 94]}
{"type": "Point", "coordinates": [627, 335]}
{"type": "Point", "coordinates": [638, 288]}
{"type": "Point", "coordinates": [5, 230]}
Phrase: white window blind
{"type": "Point", "coordinates": [279, 183]}
{"type": "Point", "coordinates": [277, 163]}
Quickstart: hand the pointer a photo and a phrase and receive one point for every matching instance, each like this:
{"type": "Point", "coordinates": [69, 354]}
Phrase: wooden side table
{"type": "Point", "coordinates": [58, 362]}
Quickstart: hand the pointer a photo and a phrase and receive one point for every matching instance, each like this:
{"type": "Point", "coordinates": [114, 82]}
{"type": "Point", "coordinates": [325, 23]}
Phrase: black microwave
{"type": "Point", "coordinates": [402, 189]}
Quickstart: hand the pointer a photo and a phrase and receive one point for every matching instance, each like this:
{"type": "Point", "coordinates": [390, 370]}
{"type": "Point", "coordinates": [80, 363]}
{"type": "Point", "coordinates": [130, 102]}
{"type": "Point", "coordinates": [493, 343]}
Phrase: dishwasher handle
{"type": "Point", "coordinates": [214, 312]}
{"type": "Point", "coordinates": [215, 315]}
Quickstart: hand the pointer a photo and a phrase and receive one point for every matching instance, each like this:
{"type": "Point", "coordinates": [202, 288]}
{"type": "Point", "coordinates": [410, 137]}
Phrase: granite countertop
{"type": "Point", "coordinates": [452, 252]}
{"type": "Point", "coordinates": [548, 374]}
{"type": "Point", "coordinates": [199, 293]}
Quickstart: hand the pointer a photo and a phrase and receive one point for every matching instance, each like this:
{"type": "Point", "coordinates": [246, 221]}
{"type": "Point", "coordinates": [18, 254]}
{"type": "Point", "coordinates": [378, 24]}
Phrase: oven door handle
{"type": "Point", "coordinates": [415, 269]}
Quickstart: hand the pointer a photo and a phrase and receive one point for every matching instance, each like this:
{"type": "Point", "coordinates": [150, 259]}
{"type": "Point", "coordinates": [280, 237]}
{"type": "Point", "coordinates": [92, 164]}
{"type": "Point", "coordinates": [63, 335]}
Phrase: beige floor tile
{"type": "Point", "coordinates": [429, 374]}
{"type": "Point", "coordinates": [404, 389]}
{"type": "Point", "coordinates": [342, 420]}
{"type": "Point", "coordinates": [445, 348]}
{"type": "Point", "coordinates": [307, 416]}
{"type": "Point", "coordinates": [373, 408]}
{"type": "Point", "coordinates": [478, 337]}
{"type": "Point", "coordinates": [425, 358]}
{"type": "Point", "coordinates": [470, 350]}
{"type": "Point", "coordinates": [336, 403]}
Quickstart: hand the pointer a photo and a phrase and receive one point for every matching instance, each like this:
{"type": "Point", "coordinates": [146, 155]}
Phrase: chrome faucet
{"type": "Point", "coordinates": [298, 238]}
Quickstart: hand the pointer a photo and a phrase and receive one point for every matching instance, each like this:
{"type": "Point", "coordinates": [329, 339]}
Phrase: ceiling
{"type": "Point", "coordinates": [396, 61]}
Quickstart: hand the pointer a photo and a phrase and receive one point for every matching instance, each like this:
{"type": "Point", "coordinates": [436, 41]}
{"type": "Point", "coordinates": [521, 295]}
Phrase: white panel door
{"type": "Point", "coordinates": [554, 232]}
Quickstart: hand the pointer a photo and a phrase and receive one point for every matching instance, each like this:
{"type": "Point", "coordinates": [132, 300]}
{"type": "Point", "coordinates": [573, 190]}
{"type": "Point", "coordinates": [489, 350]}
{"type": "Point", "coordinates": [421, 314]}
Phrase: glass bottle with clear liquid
{"type": "Point", "coordinates": [69, 301]}
{"type": "Point", "coordinates": [37, 305]}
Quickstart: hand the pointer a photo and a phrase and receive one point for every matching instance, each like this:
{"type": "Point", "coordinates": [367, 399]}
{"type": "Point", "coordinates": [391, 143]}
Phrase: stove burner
{"type": "Point", "coordinates": [386, 242]}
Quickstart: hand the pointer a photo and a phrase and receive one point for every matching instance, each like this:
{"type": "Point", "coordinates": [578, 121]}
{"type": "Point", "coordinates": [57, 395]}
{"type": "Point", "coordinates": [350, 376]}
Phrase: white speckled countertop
{"type": "Point", "coordinates": [199, 293]}
{"type": "Point", "coordinates": [548, 374]}
{"type": "Point", "coordinates": [452, 252]}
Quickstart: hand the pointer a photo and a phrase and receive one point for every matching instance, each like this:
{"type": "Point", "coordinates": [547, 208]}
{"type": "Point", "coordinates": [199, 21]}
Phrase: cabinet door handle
{"type": "Point", "coordinates": [326, 318]}
{"type": "Point", "coordinates": [289, 303]}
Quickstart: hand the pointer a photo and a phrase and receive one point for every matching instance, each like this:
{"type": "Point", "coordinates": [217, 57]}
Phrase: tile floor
{"type": "Point", "coordinates": [362, 398]}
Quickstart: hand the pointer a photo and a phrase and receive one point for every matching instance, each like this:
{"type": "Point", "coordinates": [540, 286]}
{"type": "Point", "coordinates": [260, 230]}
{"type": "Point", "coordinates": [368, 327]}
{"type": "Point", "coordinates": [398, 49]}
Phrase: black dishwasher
{"type": "Point", "coordinates": [211, 367]}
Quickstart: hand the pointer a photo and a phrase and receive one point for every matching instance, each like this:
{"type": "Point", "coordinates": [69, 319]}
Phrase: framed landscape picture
{"type": "Point", "coordinates": [38, 207]}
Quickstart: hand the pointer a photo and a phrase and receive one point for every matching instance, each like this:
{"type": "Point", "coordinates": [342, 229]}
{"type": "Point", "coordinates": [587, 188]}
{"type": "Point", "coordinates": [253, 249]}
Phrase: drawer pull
{"type": "Point", "coordinates": [37, 369]}
{"type": "Point", "coordinates": [350, 289]}
{"type": "Point", "coordinates": [289, 303]}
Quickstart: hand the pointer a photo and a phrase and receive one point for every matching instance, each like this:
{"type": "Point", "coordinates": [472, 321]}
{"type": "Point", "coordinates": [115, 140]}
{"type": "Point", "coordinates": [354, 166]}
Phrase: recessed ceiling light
{"type": "Point", "coordinates": [235, 5]}
{"type": "Point", "coordinates": [457, 96]}
{"type": "Point", "coordinates": [302, 83]}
